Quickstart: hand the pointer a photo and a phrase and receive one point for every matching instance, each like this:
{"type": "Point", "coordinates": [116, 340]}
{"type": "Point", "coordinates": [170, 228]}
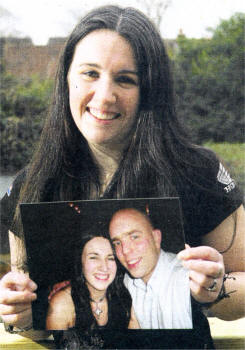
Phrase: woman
{"type": "Point", "coordinates": [113, 133]}
{"type": "Point", "coordinates": [96, 298]}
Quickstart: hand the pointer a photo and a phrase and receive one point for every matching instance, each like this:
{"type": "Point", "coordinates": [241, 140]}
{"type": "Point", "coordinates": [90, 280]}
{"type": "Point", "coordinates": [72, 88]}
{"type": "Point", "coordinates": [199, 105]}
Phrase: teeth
{"type": "Point", "coordinates": [102, 277]}
{"type": "Point", "coordinates": [131, 262]}
{"type": "Point", "coordinates": [102, 115]}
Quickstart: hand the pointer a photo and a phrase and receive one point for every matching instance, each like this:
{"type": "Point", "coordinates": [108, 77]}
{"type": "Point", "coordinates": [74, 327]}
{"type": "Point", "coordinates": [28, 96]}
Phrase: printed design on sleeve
{"type": "Point", "coordinates": [9, 190]}
{"type": "Point", "coordinates": [225, 178]}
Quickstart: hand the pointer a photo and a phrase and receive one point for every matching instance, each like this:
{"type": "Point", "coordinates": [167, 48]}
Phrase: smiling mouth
{"type": "Point", "coordinates": [102, 277]}
{"type": "Point", "coordinates": [102, 115]}
{"type": "Point", "coordinates": [133, 263]}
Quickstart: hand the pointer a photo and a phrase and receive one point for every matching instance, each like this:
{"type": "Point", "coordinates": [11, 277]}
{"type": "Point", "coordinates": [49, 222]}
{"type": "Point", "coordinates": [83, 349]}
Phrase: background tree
{"type": "Point", "coordinates": [209, 77]}
{"type": "Point", "coordinates": [155, 9]}
{"type": "Point", "coordinates": [22, 110]}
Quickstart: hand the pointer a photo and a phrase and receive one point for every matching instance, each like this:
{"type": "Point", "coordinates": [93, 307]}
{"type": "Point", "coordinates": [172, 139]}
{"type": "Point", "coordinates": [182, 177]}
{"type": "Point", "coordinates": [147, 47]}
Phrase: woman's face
{"type": "Point", "coordinates": [98, 264]}
{"type": "Point", "coordinates": [104, 88]}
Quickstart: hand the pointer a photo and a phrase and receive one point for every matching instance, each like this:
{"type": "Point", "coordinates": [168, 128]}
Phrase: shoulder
{"type": "Point", "coordinates": [61, 311]}
{"type": "Point", "coordinates": [210, 172]}
{"type": "Point", "coordinates": [208, 195]}
{"type": "Point", "coordinates": [62, 295]}
{"type": "Point", "coordinates": [202, 166]}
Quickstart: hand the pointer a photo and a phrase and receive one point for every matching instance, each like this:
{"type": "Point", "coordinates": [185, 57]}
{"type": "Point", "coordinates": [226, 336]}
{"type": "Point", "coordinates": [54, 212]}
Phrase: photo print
{"type": "Point", "coordinates": [96, 245]}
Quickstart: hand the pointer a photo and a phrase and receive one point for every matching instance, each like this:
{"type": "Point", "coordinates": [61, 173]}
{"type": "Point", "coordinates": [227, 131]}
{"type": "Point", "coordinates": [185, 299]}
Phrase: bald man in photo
{"type": "Point", "coordinates": [156, 280]}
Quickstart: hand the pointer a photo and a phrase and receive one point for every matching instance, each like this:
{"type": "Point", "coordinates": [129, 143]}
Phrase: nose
{"type": "Point", "coordinates": [103, 266]}
{"type": "Point", "coordinates": [105, 91]}
{"type": "Point", "coordinates": [126, 247]}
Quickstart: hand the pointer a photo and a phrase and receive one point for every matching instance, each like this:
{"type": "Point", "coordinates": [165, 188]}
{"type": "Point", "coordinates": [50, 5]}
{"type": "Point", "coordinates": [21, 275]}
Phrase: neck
{"type": "Point", "coordinates": [107, 159]}
{"type": "Point", "coordinates": [97, 295]}
{"type": "Point", "coordinates": [146, 279]}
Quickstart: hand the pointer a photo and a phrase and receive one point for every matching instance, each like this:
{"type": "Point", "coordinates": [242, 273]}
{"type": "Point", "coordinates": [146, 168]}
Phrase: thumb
{"type": "Point", "coordinates": [18, 281]}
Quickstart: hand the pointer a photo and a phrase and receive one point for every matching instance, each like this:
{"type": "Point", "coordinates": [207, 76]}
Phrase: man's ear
{"type": "Point", "coordinates": [157, 235]}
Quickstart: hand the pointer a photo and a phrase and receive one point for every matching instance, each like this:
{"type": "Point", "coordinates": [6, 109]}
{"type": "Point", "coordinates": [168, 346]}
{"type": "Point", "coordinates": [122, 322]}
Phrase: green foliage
{"type": "Point", "coordinates": [22, 111]}
{"type": "Point", "coordinates": [209, 79]}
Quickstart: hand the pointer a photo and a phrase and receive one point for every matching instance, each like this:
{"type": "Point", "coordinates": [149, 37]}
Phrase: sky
{"type": "Point", "coordinates": [42, 19]}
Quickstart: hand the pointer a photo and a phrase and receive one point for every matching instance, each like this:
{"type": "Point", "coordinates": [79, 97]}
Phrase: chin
{"type": "Point", "coordinates": [102, 286]}
{"type": "Point", "coordinates": [135, 275]}
{"type": "Point", "coordinates": [101, 289]}
{"type": "Point", "coordinates": [97, 141]}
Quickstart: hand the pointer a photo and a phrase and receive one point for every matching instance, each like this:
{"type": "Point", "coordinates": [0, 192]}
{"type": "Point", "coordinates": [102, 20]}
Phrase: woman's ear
{"type": "Point", "coordinates": [157, 235]}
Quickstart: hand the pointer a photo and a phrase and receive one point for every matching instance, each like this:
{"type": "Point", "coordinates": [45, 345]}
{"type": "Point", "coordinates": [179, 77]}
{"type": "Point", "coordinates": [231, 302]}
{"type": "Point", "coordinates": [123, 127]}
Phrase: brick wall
{"type": "Point", "coordinates": [23, 59]}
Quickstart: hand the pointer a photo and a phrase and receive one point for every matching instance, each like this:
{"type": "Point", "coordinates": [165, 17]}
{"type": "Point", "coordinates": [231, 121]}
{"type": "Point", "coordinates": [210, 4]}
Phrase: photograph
{"type": "Point", "coordinates": [116, 266]}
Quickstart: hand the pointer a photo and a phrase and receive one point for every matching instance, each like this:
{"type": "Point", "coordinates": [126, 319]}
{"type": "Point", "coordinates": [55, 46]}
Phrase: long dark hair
{"type": "Point", "coordinates": [116, 293]}
{"type": "Point", "coordinates": [159, 154]}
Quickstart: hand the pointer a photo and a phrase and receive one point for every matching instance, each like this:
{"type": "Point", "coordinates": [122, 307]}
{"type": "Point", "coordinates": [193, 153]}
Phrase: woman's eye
{"type": "Point", "coordinates": [90, 74]}
{"type": "Point", "coordinates": [111, 258]}
{"type": "Point", "coordinates": [92, 257]}
{"type": "Point", "coordinates": [116, 243]}
{"type": "Point", "coordinates": [125, 80]}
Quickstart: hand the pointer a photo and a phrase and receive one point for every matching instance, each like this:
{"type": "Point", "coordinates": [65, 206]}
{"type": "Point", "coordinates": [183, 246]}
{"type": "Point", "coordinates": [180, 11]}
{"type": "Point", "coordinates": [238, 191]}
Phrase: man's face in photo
{"type": "Point", "coordinates": [136, 243]}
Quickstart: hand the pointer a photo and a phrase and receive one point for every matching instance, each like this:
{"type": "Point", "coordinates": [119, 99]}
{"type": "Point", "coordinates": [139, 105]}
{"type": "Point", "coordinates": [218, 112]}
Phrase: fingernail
{"type": "Point", "coordinates": [32, 285]}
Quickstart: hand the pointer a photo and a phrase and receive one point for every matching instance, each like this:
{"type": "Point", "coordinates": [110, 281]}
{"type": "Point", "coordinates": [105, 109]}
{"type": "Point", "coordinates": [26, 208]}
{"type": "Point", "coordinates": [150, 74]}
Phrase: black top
{"type": "Point", "coordinates": [207, 198]}
{"type": "Point", "coordinates": [117, 312]}
{"type": "Point", "coordinates": [97, 338]}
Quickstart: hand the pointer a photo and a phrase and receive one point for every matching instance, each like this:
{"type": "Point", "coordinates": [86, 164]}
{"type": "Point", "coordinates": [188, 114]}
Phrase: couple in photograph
{"type": "Point", "coordinates": [153, 293]}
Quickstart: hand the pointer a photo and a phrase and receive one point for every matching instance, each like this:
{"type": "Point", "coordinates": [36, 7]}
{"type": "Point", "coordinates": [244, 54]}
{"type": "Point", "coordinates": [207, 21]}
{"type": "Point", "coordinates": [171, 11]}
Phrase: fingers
{"type": "Point", "coordinates": [21, 319]}
{"type": "Point", "coordinates": [13, 297]}
{"type": "Point", "coordinates": [17, 281]}
{"type": "Point", "coordinates": [202, 252]}
{"type": "Point", "coordinates": [17, 288]}
{"type": "Point", "coordinates": [16, 295]}
{"type": "Point", "coordinates": [203, 259]}
{"type": "Point", "coordinates": [200, 283]}
{"type": "Point", "coordinates": [201, 279]}
{"type": "Point", "coordinates": [201, 294]}
{"type": "Point", "coordinates": [14, 309]}
{"type": "Point", "coordinates": [206, 270]}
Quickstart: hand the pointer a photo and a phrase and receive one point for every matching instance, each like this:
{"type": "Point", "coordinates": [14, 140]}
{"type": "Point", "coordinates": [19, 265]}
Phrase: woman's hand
{"type": "Point", "coordinates": [16, 296]}
{"type": "Point", "coordinates": [206, 271]}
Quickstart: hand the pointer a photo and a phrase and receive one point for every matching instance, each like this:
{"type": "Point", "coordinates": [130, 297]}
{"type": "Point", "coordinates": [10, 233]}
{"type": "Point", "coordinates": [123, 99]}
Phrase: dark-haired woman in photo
{"type": "Point", "coordinates": [96, 298]}
{"type": "Point", "coordinates": [113, 132]}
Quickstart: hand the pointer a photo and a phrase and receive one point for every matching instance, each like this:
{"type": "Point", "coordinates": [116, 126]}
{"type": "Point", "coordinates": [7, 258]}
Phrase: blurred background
{"type": "Point", "coordinates": [205, 42]}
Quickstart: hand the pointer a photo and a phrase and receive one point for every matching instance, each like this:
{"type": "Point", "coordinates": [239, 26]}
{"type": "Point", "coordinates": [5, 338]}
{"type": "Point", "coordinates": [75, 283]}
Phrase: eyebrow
{"type": "Point", "coordinates": [125, 234]}
{"type": "Point", "coordinates": [93, 253]}
{"type": "Point", "coordinates": [122, 71]}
